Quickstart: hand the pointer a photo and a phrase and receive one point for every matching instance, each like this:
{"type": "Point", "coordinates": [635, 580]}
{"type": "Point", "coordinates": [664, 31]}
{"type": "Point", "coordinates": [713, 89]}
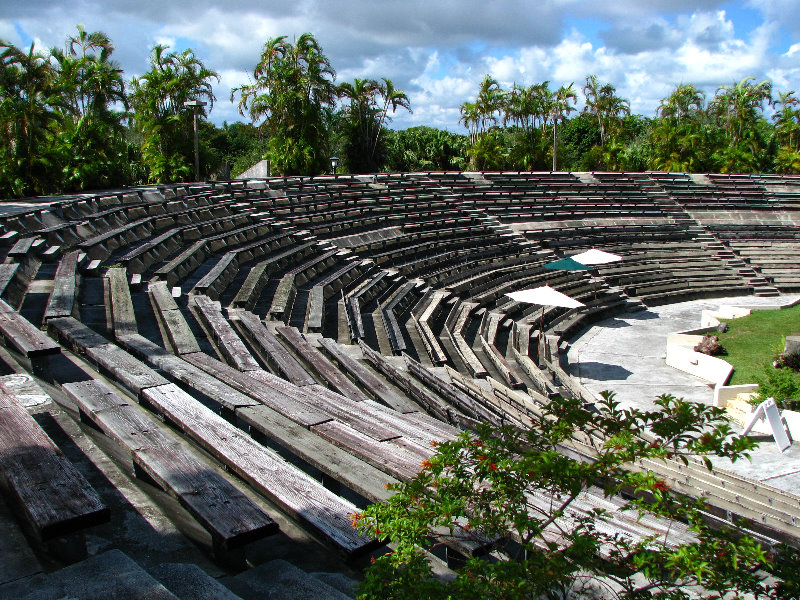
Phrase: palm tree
{"type": "Point", "coordinates": [367, 113]}
{"type": "Point", "coordinates": [480, 115]}
{"type": "Point", "coordinates": [738, 109]}
{"type": "Point", "coordinates": [681, 134]}
{"type": "Point", "coordinates": [603, 102]}
{"type": "Point", "coordinates": [158, 98]}
{"type": "Point", "coordinates": [560, 110]}
{"type": "Point", "coordinates": [29, 114]}
{"type": "Point", "coordinates": [787, 132]}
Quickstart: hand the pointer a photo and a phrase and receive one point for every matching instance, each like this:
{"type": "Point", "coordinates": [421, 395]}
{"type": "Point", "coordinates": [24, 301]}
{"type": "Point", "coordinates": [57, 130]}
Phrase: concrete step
{"type": "Point", "coordinates": [17, 559]}
{"type": "Point", "coordinates": [111, 576]}
{"type": "Point", "coordinates": [190, 582]}
{"type": "Point", "coordinates": [280, 580]}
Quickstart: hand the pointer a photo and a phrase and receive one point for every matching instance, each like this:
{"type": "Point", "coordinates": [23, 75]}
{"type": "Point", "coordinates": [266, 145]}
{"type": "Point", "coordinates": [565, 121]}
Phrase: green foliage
{"type": "Point", "coordinates": [425, 149]}
{"type": "Point", "coordinates": [293, 86]}
{"type": "Point", "coordinates": [781, 384]}
{"type": "Point", "coordinates": [514, 493]}
{"type": "Point", "coordinates": [160, 116]}
{"type": "Point", "coordinates": [365, 115]}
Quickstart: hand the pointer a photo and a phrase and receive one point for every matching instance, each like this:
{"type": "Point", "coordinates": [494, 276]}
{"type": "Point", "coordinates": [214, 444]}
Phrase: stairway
{"type": "Point", "coordinates": [113, 575]}
{"type": "Point", "coordinates": [670, 207]}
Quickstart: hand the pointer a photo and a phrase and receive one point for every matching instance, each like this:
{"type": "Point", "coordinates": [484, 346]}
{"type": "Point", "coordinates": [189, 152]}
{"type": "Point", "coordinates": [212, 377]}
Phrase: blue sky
{"type": "Point", "coordinates": [438, 50]}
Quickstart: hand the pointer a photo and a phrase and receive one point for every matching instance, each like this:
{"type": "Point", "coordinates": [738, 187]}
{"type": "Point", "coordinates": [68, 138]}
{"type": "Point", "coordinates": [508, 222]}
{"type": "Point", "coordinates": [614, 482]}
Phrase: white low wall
{"type": "Point", "coordinates": [712, 318]}
{"type": "Point", "coordinates": [725, 393]}
{"type": "Point", "coordinates": [681, 356]}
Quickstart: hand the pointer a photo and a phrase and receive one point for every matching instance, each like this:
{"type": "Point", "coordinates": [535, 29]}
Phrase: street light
{"type": "Point", "coordinates": [196, 105]}
{"type": "Point", "coordinates": [334, 164]}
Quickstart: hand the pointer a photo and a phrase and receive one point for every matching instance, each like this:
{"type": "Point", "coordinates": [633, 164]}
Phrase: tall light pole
{"type": "Point", "coordinates": [196, 105]}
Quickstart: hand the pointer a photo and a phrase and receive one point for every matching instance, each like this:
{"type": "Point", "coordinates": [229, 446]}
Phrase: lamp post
{"type": "Point", "coordinates": [334, 164]}
{"type": "Point", "coordinates": [196, 105]}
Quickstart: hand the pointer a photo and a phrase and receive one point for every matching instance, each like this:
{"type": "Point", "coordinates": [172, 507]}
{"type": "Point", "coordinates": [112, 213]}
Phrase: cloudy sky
{"type": "Point", "coordinates": [438, 50]}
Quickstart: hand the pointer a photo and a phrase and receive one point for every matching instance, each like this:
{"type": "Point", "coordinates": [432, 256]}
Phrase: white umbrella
{"type": "Point", "coordinates": [545, 296]}
{"type": "Point", "coordinates": [596, 257]}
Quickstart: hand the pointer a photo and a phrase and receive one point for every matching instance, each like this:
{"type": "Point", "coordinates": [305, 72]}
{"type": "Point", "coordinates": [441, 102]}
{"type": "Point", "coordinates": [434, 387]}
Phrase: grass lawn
{"type": "Point", "coordinates": [753, 341]}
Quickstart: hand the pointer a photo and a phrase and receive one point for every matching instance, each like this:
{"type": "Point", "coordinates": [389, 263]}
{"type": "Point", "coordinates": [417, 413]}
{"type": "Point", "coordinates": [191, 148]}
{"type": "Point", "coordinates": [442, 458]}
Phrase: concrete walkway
{"type": "Point", "coordinates": [627, 355]}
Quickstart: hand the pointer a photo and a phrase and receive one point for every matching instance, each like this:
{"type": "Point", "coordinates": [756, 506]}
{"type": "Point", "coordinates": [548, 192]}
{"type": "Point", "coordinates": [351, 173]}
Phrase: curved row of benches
{"type": "Point", "coordinates": [348, 322]}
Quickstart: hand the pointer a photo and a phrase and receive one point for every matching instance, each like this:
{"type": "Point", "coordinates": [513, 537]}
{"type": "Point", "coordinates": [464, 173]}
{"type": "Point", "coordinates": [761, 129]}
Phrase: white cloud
{"type": "Point", "coordinates": [438, 51]}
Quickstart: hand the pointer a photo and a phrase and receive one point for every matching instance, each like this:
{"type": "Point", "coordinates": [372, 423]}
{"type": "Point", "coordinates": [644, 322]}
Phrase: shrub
{"type": "Point", "coordinates": [781, 384]}
{"type": "Point", "coordinates": [787, 360]}
{"type": "Point", "coordinates": [513, 492]}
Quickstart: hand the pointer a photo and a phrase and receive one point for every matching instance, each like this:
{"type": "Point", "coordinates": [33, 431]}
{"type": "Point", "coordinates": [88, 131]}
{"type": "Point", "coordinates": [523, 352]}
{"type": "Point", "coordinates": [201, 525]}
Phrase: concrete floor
{"type": "Point", "coordinates": [627, 355]}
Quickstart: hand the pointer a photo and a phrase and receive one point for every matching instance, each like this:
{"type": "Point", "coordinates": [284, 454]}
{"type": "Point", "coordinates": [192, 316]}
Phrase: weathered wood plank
{"type": "Point", "coordinates": [291, 405]}
{"type": "Point", "coordinates": [389, 458]}
{"type": "Point", "coordinates": [321, 365]}
{"type": "Point", "coordinates": [220, 332]}
{"type": "Point", "coordinates": [175, 331]}
{"type": "Point", "coordinates": [61, 302]}
{"type": "Point", "coordinates": [186, 373]}
{"type": "Point", "coordinates": [269, 349]}
{"type": "Point", "coordinates": [449, 392]}
{"type": "Point", "coordinates": [23, 336]}
{"type": "Point", "coordinates": [426, 399]}
{"type": "Point", "coordinates": [230, 516]}
{"type": "Point", "coordinates": [74, 334]}
{"type": "Point", "coordinates": [53, 496]}
{"type": "Point", "coordinates": [336, 463]}
{"type": "Point", "coordinates": [118, 299]}
{"type": "Point", "coordinates": [284, 484]}
{"type": "Point", "coordinates": [123, 367]}
{"type": "Point", "coordinates": [7, 273]}
{"type": "Point", "coordinates": [368, 379]}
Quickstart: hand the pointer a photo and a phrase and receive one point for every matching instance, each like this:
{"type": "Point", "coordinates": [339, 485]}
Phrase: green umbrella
{"type": "Point", "coordinates": [567, 264]}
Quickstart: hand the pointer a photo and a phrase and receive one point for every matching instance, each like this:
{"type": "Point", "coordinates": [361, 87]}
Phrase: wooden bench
{"type": "Point", "coordinates": [368, 379]}
{"type": "Point", "coordinates": [269, 349]}
{"type": "Point", "coordinates": [231, 518]}
{"type": "Point", "coordinates": [291, 489]}
{"type": "Point", "coordinates": [175, 331]}
{"type": "Point", "coordinates": [61, 302]}
{"type": "Point", "coordinates": [319, 364]}
{"type": "Point", "coordinates": [284, 484]}
{"type": "Point", "coordinates": [426, 399]}
{"type": "Point", "coordinates": [21, 336]}
{"type": "Point", "coordinates": [221, 334]}
{"type": "Point", "coordinates": [250, 290]}
{"type": "Point", "coordinates": [54, 499]}
{"type": "Point", "coordinates": [119, 304]}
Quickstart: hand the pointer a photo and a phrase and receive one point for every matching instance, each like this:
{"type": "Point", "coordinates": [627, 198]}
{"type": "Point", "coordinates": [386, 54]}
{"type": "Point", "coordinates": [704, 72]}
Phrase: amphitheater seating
{"type": "Point", "coordinates": [218, 305]}
{"type": "Point", "coordinates": [231, 517]}
{"type": "Point", "coordinates": [55, 501]}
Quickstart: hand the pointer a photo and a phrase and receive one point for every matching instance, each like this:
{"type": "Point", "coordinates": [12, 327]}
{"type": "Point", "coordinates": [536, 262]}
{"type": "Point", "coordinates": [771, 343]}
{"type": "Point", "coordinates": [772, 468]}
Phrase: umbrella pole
{"type": "Point", "coordinates": [541, 338]}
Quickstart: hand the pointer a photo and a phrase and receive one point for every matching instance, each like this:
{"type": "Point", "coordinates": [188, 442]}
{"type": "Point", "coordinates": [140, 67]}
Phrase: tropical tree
{"type": "Point", "coordinates": [563, 103]}
{"type": "Point", "coordinates": [681, 135]}
{"type": "Point", "coordinates": [30, 112]}
{"type": "Point", "coordinates": [516, 495]}
{"type": "Point", "coordinates": [787, 132]}
{"type": "Point", "coordinates": [159, 114]}
{"type": "Point", "coordinates": [478, 116]}
{"type": "Point", "coordinates": [528, 109]}
{"type": "Point", "coordinates": [737, 109]}
{"type": "Point", "coordinates": [366, 114]}
{"type": "Point", "coordinates": [425, 149]}
{"type": "Point", "coordinates": [293, 86]}
{"type": "Point", "coordinates": [92, 139]}
{"type": "Point", "coordinates": [602, 102]}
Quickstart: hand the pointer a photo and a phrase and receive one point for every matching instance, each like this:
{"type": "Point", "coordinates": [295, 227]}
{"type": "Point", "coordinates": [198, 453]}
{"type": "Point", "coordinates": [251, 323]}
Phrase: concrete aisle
{"type": "Point", "coordinates": [627, 355]}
